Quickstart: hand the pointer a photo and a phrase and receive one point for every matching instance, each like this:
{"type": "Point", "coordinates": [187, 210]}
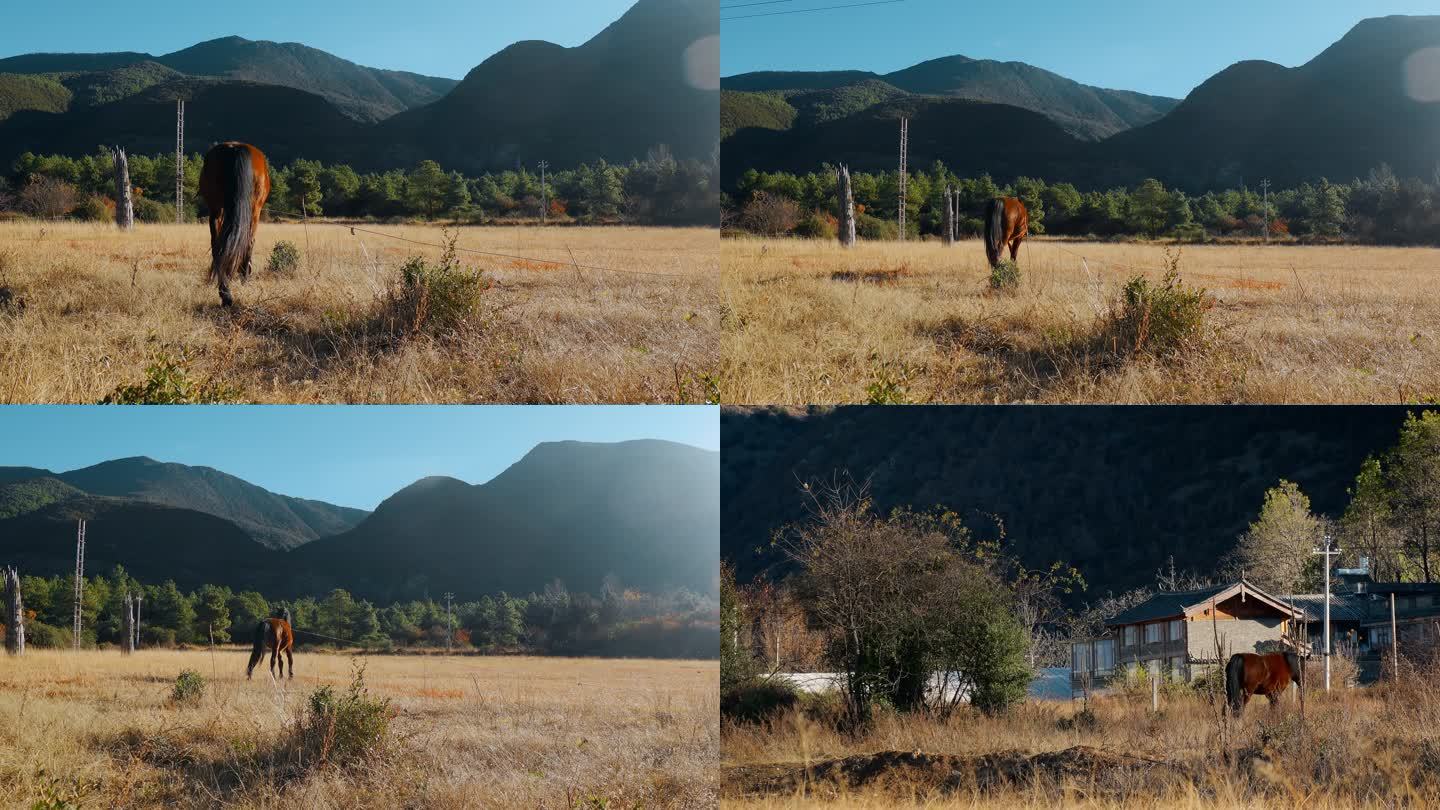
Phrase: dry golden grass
{"type": "Point", "coordinates": [807, 322]}
{"type": "Point", "coordinates": [99, 302]}
{"type": "Point", "coordinates": [1373, 747]}
{"type": "Point", "coordinates": [99, 729]}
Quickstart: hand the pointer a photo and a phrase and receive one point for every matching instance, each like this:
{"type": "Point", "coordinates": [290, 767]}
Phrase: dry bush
{"type": "Point", "coordinates": [771, 215]}
{"type": "Point", "coordinates": [48, 198]}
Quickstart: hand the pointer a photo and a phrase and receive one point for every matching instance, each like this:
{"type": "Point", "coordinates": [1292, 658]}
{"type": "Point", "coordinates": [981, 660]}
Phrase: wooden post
{"type": "Point", "coordinates": [949, 218]}
{"type": "Point", "coordinates": [1155, 692]}
{"type": "Point", "coordinates": [139, 599]}
{"type": "Point", "coordinates": [15, 637]}
{"type": "Point", "coordinates": [847, 206]}
{"type": "Point", "coordinates": [124, 205]}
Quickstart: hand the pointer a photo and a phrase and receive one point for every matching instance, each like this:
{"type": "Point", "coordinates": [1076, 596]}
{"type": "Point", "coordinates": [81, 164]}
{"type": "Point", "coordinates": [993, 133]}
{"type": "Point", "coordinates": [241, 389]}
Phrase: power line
{"type": "Point", "coordinates": [762, 3]}
{"type": "Point", "coordinates": [807, 10]}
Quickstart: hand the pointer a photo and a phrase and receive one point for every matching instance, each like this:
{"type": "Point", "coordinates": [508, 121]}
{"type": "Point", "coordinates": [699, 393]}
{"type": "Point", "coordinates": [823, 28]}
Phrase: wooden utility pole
{"type": "Point", "coordinates": [544, 202]}
{"type": "Point", "coordinates": [179, 160]}
{"type": "Point", "coordinates": [79, 582]}
{"type": "Point", "coordinates": [949, 223]}
{"type": "Point", "coordinates": [124, 205]}
{"type": "Point", "coordinates": [904, 170]}
{"type": "Point", "coordinates": [15, 637]}
{"type": "Point", "coordinates": [847, 206]}
{"type": "Point", "coordinates": [135, 644]}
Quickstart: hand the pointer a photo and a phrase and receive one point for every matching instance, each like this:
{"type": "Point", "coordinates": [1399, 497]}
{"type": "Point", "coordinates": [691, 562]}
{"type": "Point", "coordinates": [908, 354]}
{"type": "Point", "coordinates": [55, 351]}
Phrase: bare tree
{"type": "Point", "coordinates": [770, 215]}
{"type": "Point", "coordinates": [48, 197]}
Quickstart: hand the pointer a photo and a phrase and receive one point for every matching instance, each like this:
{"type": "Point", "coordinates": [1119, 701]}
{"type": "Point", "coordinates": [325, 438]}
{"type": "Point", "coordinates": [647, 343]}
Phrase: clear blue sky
{"type": "Point", "coordinates": [433, 37]}
{"type": "Point", "coordinates": [349, 455]}
{"type": "Point", "coordinates": [1163, 48]}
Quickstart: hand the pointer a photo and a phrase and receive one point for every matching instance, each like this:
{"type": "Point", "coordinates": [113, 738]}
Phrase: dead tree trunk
{"type": "Point", "coordinates": [127, 645]}
{"type": "Point", "coordinates": [955, 218]}
{"type": "Point", "coordinates": [15, 638]}
{"type": "Point", "coordinates": [949, 225]}
{"type": "Point", "coordinates": [124, 206]}
{"type": "Point", "coordinates": [847, 206]}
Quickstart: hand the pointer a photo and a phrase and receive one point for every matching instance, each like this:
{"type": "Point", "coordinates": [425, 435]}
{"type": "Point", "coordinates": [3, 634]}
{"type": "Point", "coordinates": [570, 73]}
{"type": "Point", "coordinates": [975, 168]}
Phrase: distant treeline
{"type": "Point", "coordinates": [659, 190]}
{"type": "Point", "coordinates": [679, 624]}
{"type": "Point", "coordinates": [1380, 208]}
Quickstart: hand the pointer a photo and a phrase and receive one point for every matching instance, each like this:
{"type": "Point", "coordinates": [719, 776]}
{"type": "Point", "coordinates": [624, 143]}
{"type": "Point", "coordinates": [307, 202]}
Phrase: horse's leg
{"type": "Point", "coordinates": [290, 656]}
{"type": "Point", "coordinates": [274, 654]}
{"type": "Point", "coordinates": [1015, 251]}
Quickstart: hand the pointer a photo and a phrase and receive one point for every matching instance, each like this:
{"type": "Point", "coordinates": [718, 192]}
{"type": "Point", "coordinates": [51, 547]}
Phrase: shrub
{"type": "Point", "coordinates": [168, 382]}
{"type": "Point", "coordinates": [870, 227]}
{"type": "Point", "coordinates": [1159, 319]}
{"type": "Point", "coordinates": [189, 687]}
{"type": "Point", "coordinates": [344, 728]}
{"type": "Point", "coordinates": [39, 634]}
{"type": "Point", "coordinates": [816, 226]}
{"type": "Point", "coordinates": [48, 197]}
{"type": "Point", "coordinates": [92, 209]}
{"type": "Point", "coordinates": [1005, 276]}
{"type": "Point", "coordinates": [758, 699]}
{"type": "Point", "coordinates": [148, 210]}
{"type": "Point", "coordinates": [770, 214]}
{"type": "Point", "coordinates": [284, 259]}
{"type": "Point", "coordinates": [435, 298]}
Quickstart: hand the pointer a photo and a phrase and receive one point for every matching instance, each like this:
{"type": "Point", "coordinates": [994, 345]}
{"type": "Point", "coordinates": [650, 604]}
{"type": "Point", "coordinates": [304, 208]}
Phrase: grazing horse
{"type": "Point", "coordinates": [234, 181]}
{"type": "Point", "coordinates": [1006, 223]}
{"type": "Point", "coordinates": [1250, 674]}
{"type": "Point", "coordinates": [277, 635]}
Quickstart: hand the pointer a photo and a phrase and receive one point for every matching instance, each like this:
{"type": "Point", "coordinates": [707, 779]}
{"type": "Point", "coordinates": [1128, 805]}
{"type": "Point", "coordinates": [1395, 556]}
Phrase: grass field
{"type": "Point", "coordinates": [102, 305]}
{"type": "Point", "coordinates": [99, 730]}
{"type": "Point", "coordinates": [1377, 747]}
{"type": "Point", "coordinates": [805, 321]}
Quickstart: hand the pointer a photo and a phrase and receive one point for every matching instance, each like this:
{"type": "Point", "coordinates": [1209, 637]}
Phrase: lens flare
{"type": "Point", "coordinates": [1422, 75]}
{"type": "Point", "coordinates": [702, 64]}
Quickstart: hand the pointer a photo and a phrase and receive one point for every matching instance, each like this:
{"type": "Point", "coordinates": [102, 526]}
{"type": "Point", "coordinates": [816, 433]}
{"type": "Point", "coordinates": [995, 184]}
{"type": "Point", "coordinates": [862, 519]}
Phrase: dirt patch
{"type": "Point", "coordinates": [891, 276]}
{"type": "Point", "coordinates": [916, 773]}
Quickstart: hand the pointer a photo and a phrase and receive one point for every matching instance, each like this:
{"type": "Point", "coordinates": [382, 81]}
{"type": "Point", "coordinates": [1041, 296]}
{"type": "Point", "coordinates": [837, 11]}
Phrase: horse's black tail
{"type": "Point", "coordinates": [1235, 682]}
{"type": "Point", "coordinates": [994, 229]}
{"type": "Point", "coordinates": [236, 230]}
{"type": "Point", "coordinates": [258, 651]}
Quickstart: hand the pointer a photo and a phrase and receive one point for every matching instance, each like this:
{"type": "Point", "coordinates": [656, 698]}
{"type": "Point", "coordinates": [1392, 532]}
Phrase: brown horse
{"type": "Point", "coordinates": [1006, 223]}
{"type": "Point", "coordinates": [234, 181]}
{"type": "Point", "coordinates": [1250, 674]}
{"type": "Point", "coordinates": [277, 635]}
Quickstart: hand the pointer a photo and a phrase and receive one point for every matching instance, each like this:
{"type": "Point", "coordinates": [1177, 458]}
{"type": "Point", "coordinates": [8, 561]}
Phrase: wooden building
{"type": "Point", "coordinates": [1175, 633]}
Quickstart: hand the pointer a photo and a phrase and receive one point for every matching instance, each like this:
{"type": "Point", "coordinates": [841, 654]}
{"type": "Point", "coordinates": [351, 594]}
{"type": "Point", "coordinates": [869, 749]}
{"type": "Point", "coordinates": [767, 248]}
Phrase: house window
{"type": "Point", "coordinates": [1105, 655]}
{"type": "Point", "coordinates": [1080, 657]}
{"type": "Point", "coordinates": [1153, 666]}
{"type": "Point", "coordinates": [1177, 630]}
{"type": "Point", "coordinates": [1380, 637]}
{"type": "Point", "coordinates": [1153, 632]}
{"type": "Point", "coordinates": [1177, 667]}
{"type": "Point", "coordinates": [1129, 635]}
{"type": "Point", "coordinates": [1424, 600]}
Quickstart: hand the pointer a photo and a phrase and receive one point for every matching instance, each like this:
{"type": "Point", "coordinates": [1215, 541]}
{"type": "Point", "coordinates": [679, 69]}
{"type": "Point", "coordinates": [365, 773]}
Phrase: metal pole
{"type": "Point", "coordinates": [904, 171]}
{"type": "Point", "coordinates": [544, 202]}
{"type": "Point", "coordinates": [1327, 552]}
